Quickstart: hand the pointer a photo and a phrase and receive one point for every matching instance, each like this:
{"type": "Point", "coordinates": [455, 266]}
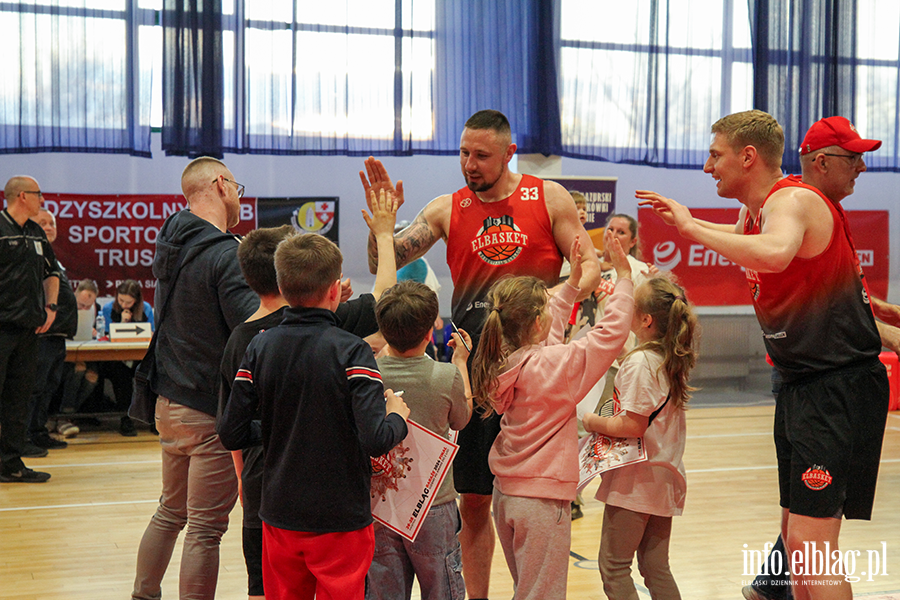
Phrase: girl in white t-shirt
{"type": "Point", "coordinates": [651, 392]}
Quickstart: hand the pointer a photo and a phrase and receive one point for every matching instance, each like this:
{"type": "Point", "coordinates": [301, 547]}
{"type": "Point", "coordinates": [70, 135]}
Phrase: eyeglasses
{"type": "Point", "coordinates": [854, 158]}
{"type": "Point", "coordinates": [39, 193]}
{"type": "Point", "coordinates": [240, 187]}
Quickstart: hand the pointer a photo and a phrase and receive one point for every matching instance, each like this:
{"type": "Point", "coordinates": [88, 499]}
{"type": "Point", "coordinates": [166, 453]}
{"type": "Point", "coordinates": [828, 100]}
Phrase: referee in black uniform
{"type": "Point", "coordinates": [29, 285]}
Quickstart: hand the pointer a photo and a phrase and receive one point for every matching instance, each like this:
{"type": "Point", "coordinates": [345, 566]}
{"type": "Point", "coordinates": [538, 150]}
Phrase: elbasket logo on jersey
{"type": "Point", "coordinates": [465, 203]}
{"type": "Point", "coordinates": [666, 256]}
{"type": "Point", "coordinates": [499, 241]}
{"type": "Point", "coordinates": [816, 477]}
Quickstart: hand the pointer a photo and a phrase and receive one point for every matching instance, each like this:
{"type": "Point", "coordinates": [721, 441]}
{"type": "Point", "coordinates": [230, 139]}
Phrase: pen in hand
{"type": "Point", "coordinates": [465, 345]}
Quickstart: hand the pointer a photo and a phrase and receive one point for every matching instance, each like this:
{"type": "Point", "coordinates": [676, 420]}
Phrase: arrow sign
{"type": "Point", "coordinates": [136, 329]}
{"type": "Point", "coordinates": [130, 332]}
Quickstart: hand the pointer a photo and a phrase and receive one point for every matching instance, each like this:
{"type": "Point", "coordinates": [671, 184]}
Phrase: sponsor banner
{"type": "Point", "coordinates": [111, 238]}
{"type": "Point", "coordinates": [405, 480]}
{"type": "Point", "coordinates": [713, 280]}
{"type": "Point", "coordinates": [600, 194]}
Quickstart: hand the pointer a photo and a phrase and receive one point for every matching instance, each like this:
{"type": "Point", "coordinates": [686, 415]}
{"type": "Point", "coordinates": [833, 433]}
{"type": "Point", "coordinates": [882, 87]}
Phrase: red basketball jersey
{"type": "Point", "coordinates": [490, 239]}
{"type": "Point", "coordinates": [815, 315]}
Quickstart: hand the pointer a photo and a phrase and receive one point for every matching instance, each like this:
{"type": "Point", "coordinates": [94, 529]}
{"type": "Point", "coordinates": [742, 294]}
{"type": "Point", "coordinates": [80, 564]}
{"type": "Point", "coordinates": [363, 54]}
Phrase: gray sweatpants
{"type": "Point", "coordinates": [535, 534]}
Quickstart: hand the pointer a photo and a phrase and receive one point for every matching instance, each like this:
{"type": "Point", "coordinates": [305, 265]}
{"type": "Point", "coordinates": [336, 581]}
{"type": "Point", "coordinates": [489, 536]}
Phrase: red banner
{"type": "Point", "coordinates": [110, 238]}
{"type": "Point", "coordinates": [712, 280]}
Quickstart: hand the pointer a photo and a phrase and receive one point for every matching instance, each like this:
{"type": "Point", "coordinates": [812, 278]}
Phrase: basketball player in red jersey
{"type": "Point", "coordinates": [500, 223]}
{"type": "Point", "coordinates": [813, 307]}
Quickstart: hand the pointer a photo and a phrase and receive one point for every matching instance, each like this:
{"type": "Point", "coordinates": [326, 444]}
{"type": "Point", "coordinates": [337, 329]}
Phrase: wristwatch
{"type": "Point", "coordinates": [52, 306]}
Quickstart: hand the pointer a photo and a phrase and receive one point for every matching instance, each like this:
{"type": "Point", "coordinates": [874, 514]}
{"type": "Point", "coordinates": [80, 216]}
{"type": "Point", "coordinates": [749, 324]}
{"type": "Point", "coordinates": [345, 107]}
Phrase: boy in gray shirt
{"type": "Point", "coordinates": [439, 399]}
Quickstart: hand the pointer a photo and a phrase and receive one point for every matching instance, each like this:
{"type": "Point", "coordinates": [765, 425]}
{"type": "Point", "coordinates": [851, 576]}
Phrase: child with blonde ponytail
{"type": "Point", "coordinates": [651, 393]}
{"type": "Point", "coordinates": [524, 371]}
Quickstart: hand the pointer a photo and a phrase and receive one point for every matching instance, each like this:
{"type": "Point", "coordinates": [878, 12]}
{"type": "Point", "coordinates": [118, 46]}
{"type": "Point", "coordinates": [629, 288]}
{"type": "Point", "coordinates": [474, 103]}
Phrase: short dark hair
{"type": "Point", "coordinates": [490, 119]}
{"type": "Point", "coordinates": [306, 266]}
{"type": "Point", "coordinates": [406, 313]}
{"type": "Point", "coordinates": [256, 255]}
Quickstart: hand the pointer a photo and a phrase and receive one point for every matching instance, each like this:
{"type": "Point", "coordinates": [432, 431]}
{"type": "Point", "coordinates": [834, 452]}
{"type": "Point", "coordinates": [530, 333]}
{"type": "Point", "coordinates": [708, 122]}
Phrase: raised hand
{"type": "Point", "coordinates": [619, 259]}
{"type": "Point", "coordinates": [575, 262]}
{"type": "Point", "coordinates": [384, 212]}
{"type": "Point", "coordinates": [667, 209]}
{"type": "Point", "coordinates": [376, 178]}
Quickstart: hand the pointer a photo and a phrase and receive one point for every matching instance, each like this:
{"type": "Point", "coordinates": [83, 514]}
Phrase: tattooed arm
{"type": "Point", "coordinates": [430, 225]}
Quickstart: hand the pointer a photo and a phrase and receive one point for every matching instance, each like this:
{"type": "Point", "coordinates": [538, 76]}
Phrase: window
{"type": "Point", "coordinates": [642, 81]}
{"type": "Point", "coordinates": [333, 68]}
{"type": "Point", "coordinates": [69, 81]}
{"type": "Point", "coordinates": [877, 60]}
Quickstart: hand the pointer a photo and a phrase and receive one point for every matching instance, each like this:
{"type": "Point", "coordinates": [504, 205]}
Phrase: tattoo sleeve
{"type": "Point", "coordinates": [409, 244]}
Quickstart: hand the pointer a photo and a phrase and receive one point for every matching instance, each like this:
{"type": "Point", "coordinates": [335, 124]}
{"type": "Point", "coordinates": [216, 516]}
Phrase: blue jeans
{"type": "Point", "coordinates": [434, 558]}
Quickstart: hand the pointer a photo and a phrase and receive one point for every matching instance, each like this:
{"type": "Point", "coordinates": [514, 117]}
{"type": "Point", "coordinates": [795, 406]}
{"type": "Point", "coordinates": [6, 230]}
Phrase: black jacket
{"type": "Point", "coordinates": [321, 403]}
{"type": "Point", "coordinates": [211, 297]}
{"type": "Point", "coordinates": [26, 259]}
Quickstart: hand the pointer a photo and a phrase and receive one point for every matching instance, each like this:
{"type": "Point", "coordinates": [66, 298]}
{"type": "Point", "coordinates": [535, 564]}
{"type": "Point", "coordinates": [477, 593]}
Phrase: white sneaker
{"type": "Point", "coordinates": [67, 429]}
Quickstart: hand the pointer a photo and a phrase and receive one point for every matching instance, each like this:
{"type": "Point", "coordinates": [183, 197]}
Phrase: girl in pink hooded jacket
{"type": "Point", "coordinates": [524, 371]}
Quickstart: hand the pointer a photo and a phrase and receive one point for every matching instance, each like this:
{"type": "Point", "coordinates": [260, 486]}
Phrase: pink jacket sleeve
{"type": "Point", "coordinates": [560, 307]}
{"type": "Point", "coordinates": [591, 356]}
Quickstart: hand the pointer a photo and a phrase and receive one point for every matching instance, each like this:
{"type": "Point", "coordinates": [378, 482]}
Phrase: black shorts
{"type": "Point", "coordinates": [471, 472]}
{"type": "Point", "coordinates": [828, 435]}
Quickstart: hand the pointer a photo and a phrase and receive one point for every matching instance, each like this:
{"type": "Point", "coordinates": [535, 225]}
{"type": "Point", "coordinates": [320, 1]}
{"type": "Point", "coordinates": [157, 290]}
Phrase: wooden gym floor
{"type": "Point", "coordinates": [76, 537]}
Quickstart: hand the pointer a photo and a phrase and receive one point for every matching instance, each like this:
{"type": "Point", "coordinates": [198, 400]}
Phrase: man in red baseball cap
{"type": "Point", "coordinates": [831, 158]}
{"type": "Point", "coordinates": [836, 131]}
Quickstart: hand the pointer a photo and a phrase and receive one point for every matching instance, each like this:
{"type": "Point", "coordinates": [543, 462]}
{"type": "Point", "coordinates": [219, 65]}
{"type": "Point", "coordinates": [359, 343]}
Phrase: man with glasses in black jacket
{"type": "Point", "coordinates": [29, 285]}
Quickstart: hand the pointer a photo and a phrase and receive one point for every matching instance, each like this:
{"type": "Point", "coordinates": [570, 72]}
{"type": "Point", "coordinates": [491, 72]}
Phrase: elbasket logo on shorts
{"type": "Point", "coordinates": [816, 477]}
{"type": "Point", "coordinates": [499, 241]}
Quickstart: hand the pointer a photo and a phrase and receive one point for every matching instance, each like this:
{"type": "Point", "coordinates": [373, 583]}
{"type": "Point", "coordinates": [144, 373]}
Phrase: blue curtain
{"type": "Point", "coordinates": [804, 65]}
{"type": "Point", "coordinates": [815, 59]}
{"type": "Point", "coordinates": [499, 55]}
{"type": "Point", "coordinates": [70, 80]}
{"type": "Point", "coordinates": [286, 98]}
{"type": "Point", "coordinates": [193, 85]}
